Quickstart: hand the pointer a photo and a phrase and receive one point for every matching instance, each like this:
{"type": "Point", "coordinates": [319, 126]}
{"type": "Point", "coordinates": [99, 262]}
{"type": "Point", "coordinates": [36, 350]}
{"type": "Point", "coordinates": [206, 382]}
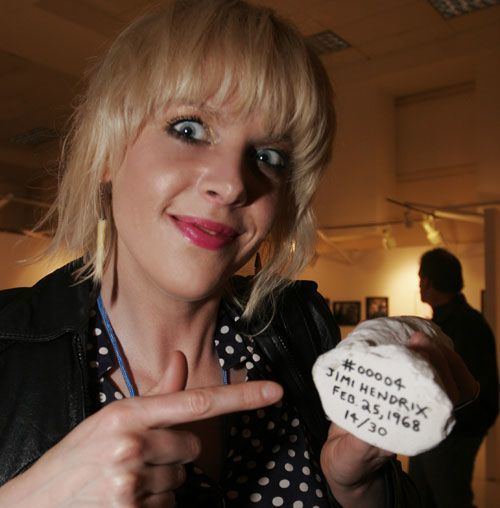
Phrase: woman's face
{"type": "Point", "coordinates": [197, 193]}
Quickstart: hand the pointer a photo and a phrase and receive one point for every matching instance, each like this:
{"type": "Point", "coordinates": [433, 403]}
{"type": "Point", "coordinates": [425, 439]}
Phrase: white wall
{"type": "Point", "coordinates": [488, 124]}
{"type": "Point", "coordinates": [435, 131]}
{"type": "Point", "coordinates": [368, 163]}
{"type": "Point", "coordinates": [363, 168]}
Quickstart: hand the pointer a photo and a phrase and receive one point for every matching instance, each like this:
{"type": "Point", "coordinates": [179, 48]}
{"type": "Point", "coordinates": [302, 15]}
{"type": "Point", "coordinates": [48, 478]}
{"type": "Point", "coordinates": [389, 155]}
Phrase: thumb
{"type": "Point", "coordinates": [175, 376]}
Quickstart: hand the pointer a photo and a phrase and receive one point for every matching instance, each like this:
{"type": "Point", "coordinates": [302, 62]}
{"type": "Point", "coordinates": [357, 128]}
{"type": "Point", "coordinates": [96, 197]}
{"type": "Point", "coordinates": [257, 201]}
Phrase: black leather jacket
{"type": "Point", "coordinates": [43, 378]}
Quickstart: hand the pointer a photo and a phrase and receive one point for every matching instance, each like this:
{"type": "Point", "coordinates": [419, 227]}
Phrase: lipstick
{"type": "Point", "coordinates": [204, 233]}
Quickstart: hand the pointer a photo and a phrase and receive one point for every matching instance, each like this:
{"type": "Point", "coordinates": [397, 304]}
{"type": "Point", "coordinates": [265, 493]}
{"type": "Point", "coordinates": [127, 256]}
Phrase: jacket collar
{"type": "Point", "coordinates": [54, 305]}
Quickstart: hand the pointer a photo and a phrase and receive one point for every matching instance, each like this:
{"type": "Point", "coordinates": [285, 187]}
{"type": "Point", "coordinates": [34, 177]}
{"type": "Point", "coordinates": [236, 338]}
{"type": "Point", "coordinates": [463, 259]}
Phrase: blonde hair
{"type": "Point", "coordinates": [189, 51]}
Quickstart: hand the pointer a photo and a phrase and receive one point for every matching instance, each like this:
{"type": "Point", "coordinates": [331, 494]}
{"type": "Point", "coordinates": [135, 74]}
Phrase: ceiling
{"type": "Point", "coordinates": [45, 46]}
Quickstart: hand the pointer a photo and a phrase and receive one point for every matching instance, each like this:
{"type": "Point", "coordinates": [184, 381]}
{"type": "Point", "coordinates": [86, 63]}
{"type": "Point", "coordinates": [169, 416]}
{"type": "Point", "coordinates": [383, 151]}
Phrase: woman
{"type": "Point", "coordinates": [201, 139]}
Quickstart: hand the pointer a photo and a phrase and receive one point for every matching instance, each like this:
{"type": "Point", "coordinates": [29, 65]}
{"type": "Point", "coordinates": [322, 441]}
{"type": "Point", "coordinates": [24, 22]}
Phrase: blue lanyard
{"type": "Point", "coordinates": [116, 349]}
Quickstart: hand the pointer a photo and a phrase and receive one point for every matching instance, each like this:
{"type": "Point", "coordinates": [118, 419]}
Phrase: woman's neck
{"type": "Point", "coordinates": [150, 324]}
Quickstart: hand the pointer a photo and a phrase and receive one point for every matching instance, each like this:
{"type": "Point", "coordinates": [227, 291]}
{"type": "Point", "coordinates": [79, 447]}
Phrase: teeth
{"type": "Point", "coordinates": [211, 233]}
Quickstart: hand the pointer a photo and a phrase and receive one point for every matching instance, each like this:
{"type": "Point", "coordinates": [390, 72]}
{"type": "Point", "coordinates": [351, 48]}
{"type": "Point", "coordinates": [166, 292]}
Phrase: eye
{"type": "Point", "coordinates": [188, 129]}
{"type": "Point", "coordinates": [271, 158]}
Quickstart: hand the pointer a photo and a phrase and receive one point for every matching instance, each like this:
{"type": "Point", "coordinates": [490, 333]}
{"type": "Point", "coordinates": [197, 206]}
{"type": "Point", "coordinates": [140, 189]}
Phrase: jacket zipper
{"type": "Point", "coordinates": [83, 376]}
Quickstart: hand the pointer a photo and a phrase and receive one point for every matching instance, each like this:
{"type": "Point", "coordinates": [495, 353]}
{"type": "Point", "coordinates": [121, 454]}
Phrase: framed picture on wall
{"type": "Point", "coordinates": [347, 313]}
{"type": "Point", "coordinates": [377, 306]}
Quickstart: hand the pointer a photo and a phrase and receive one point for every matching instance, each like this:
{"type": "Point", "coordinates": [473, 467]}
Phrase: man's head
{"type": "Point", "coordinates": [440, 276]}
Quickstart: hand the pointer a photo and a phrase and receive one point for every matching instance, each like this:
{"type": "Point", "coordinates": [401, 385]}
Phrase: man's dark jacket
{"type": "Point", "coordinates": [475, 343]}
{"type": "Point", "coordinates": [44, 390]}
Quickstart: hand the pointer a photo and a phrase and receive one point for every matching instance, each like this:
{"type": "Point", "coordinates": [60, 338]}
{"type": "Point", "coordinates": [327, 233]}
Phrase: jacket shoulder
{"type": "Point", "coordinates": [55, 304]}
{"type": "Point", "coordinates": [9, 295]}
{"type": "Point", "coordinates": [468, 319]}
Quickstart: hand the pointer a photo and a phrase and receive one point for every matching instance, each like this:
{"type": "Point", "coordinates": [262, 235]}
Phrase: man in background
{"type": "Point", "coordinates": [443, 475]}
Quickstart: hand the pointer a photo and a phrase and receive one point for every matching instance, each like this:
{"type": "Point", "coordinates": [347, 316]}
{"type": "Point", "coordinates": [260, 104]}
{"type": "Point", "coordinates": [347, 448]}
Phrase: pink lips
{"type": "Point", "coordinates": [203, 232]}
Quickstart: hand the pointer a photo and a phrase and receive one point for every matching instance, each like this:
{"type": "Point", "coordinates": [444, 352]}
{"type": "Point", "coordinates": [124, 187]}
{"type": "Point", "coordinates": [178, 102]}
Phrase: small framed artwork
{"type": "Point", "coordinates": [347, 313]}
{"type": "Point", "coordinates": [377, 306]}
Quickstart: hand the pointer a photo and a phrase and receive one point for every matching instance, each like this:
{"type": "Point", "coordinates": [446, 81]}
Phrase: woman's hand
{"type": "Point", "coordinates": [351, 465]}
{"type": "Point", "coordinates": [128, 454]}
{"type": "Point", "coordinates": [456, 379]}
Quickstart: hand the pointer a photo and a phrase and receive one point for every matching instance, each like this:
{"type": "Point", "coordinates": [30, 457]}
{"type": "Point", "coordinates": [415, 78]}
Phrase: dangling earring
{"type": "Point", "coordinates": [102, 224]}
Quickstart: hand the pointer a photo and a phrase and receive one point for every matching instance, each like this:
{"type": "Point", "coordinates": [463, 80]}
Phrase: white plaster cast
{"type": "Point", "coordinates": [382, 392]}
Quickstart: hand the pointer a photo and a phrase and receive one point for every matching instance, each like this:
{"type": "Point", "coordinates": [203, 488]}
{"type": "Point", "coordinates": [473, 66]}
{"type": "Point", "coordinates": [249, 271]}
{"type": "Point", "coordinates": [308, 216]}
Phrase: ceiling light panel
{"type": "Point", "coordinates": [453, 8]}
{"type": "Point", "coordinates": [327, 42]}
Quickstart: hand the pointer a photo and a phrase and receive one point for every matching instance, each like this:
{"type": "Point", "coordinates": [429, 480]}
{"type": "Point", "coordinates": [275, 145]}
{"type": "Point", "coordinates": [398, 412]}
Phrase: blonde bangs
{"type": "Point", "coordinates": [251, 58]}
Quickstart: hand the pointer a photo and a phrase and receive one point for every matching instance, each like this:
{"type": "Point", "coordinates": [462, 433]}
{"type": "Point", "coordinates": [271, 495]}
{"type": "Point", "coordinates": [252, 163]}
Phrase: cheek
{"type": "Point", "coordinates": [148, 181]}
{"type": "Point", "coordinates": [267, 213]}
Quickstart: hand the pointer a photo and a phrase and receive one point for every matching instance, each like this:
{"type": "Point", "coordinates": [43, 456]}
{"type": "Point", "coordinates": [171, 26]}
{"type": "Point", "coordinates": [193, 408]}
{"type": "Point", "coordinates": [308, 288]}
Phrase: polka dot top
{"type": "Point", "coordinates": [269, 461]}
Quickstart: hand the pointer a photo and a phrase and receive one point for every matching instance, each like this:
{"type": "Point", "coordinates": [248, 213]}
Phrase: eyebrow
{"type": "Point", "coordinates": [282, 140]}
{"type": "Point", "coordinates": [210, 112]}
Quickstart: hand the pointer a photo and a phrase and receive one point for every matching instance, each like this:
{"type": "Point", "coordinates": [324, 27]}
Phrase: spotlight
{"type": "Point", "coordinates": [388, 240]}
{"type": "Point", "coordinates": [432, 233]}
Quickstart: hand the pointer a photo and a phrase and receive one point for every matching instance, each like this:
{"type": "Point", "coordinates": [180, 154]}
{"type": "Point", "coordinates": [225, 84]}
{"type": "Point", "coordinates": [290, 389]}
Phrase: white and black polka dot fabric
{"type": "Point", "coordinates": [268, 462]}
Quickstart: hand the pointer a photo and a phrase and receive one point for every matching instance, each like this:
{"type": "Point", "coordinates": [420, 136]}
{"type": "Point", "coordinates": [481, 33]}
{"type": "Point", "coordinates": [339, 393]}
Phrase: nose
{"type": "Point", "coordinates": [223, 180]}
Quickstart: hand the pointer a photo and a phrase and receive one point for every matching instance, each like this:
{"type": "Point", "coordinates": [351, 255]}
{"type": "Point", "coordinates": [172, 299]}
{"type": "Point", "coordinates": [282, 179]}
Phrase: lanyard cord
{"type": "Point", "coordinates": [116, 349]}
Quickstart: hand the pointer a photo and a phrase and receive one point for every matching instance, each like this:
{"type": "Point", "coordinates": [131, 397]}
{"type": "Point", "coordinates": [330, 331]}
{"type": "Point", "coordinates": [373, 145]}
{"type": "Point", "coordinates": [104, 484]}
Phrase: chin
{"type": "Point", "coordinates": [194, 285]}
{"type": "Point", "coordinates": [185, 272]}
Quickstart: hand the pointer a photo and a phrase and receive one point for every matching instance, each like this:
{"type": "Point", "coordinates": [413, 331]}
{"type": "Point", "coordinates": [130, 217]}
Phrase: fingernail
{"type": "Point", "coordinates": [272, 391]}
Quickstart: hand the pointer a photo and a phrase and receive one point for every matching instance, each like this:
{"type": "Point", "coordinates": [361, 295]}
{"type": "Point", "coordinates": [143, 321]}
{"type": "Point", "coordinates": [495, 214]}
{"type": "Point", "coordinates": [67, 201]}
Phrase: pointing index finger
{"type": "Point", "coordinates": [167, 410]}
